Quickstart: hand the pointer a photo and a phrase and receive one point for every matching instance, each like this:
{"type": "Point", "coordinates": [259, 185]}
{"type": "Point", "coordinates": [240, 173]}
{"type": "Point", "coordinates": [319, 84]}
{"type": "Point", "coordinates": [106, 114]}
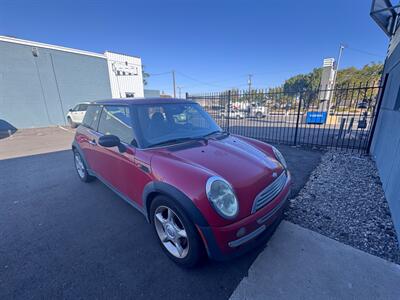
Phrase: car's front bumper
{"type": "Point", "coordinates": [229, 241]}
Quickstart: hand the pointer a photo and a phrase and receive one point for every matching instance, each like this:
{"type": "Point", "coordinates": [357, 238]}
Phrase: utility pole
{"type": "Point", "coordinates": [173, 82]}
{"type": "Point", "coordinates": [180, 90]}
{"type": "Point", "coordinates": [249, 82]}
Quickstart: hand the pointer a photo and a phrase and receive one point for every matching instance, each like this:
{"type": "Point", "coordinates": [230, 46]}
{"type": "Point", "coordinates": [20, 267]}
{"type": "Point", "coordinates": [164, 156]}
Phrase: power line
{"type": "Point", "coordinates": [196, 80]}
{"type": "Point", "coordinates": [214, 83]}
{"type": "Point", "coordinates": [159, 74]}
{"type": "Point", "coordinates": [365, 52]}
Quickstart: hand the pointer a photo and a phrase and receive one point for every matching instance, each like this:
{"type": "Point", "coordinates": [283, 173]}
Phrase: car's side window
{"type": "Point", "coordinates": [91, 116]}
{"type": "Point", "coordinates": [116, 120]}
{"type": "Point", "coordinates": [82, 107]}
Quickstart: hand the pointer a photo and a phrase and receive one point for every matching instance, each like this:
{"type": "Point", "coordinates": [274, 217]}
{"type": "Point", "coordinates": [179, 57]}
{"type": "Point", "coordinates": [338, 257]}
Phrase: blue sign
{"type": "Point", "coordinates": [316, 117]}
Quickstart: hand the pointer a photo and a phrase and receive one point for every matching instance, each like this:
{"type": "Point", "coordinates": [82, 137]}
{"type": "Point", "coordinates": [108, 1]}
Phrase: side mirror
{"type": "Point", "coordinates": [110, 141]}
{"type": "Point", "coordinates": [71, 110]}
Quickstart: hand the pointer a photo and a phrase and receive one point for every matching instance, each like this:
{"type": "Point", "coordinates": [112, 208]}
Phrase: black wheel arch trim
{"type": "Point", "coordinates": [75, 146]}
{"type": "Point", "coordinates": [181, 199]}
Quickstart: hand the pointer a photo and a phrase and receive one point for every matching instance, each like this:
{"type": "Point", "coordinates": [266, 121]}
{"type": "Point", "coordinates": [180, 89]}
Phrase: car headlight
{"type": "Point", "coordinates": [280, 157]}
{"type": "Point", "coordinates": [222, 197]}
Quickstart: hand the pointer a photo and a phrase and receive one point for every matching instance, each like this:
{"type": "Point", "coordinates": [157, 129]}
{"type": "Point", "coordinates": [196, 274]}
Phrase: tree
{"type": "Point", "coordinates": [307, 84]}
{"type": "Point", "coordinates": [350, 77]}
{"type": "Point", "coordinates": [145, 75]}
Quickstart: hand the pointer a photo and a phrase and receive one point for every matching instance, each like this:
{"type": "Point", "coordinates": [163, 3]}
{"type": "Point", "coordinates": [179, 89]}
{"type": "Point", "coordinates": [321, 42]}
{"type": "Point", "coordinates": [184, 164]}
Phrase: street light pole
{"type": "Point", "coordinates": [341, 48]}
{"type": "Point", "coordinates": [332, 90]}
{"type": "Point", "coordinates": [339, 56]}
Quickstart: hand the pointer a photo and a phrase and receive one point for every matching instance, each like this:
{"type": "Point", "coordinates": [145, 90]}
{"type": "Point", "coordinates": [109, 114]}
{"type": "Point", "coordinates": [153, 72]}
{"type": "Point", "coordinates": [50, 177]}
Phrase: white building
{"type": "Point", "coordinates": [125, 74]}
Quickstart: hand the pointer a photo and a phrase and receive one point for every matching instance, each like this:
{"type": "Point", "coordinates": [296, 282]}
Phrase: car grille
{"type": "Point", "coordinates": [270, 192]}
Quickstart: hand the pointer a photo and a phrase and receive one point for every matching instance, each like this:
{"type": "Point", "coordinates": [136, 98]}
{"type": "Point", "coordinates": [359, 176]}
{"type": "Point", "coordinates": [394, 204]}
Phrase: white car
{"type": "Point", "coordinates": [256, 111]}
{"type": "Point", "coordinates": [233, 114]}
{"type": "Point", "coordinates": [75, 115]}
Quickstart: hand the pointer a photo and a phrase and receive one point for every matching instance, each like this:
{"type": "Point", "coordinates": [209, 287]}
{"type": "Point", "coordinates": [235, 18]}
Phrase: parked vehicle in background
{"type": "Point", "coordinates": [75, 115]}
{"type": "Point", "coordinates": [233, 113]}
{"type": "Point", "coordinates": [362, 104]}
{"type": "Point", "coordinates": [170, 160]}
{"type": "Point", "coordinates": [256, 110]}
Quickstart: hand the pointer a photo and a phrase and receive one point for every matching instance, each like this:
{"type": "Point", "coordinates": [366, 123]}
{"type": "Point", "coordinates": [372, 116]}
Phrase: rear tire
{"type": "Point", "coordinates": [81, 168]}
{"type": "Point", "coordinates": [176, 233]}
{"type": "Point", "coordinates": [71, 123]}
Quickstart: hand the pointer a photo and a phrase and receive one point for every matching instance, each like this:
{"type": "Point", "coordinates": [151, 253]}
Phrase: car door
{"type": "Point", "coordinates": [73, 113]}
{"type": "Point", "coordinates": [87, 135]}
{"type": "Point", "coordinates": [116, 168]}
{"type": "Point", "coordinates": [80, 113]}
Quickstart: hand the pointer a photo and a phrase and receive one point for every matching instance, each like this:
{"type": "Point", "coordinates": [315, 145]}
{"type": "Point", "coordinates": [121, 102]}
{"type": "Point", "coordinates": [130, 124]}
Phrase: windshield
{"type": "Point", "coordinates": [160, 123]}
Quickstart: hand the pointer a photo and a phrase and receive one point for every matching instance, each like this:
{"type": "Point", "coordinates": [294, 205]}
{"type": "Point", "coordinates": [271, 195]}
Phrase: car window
{"type": "Point", "coordinates": [116, 120]}
{"type": "Point", "coordinates": [82, 107]}
{"type": "Point", "coordinates": [76, 107]}
{"type": "Point", "coordinates": [91, 116]}
{"type": "Point", "coordinates": [162, 122]}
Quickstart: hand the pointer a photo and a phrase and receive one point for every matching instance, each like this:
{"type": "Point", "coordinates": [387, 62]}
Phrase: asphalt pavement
{"type": "Point", "coordinates": [61, 238]}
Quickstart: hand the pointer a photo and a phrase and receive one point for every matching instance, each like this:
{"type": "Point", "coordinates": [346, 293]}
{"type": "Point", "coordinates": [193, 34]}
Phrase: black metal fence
{"type": "Point", "coordinates": [340, 118]}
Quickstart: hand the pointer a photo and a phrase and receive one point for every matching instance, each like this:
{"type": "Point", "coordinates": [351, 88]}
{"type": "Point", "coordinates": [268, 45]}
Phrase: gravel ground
{"type": "Point", "coordinates": [344, 200]}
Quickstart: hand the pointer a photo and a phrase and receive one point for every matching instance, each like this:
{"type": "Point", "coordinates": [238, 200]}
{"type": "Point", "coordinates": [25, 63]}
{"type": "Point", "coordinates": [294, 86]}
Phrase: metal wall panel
{"type": "Point", "coordinates": [38, 91]}
{"type": "Point", "coordinates": [386, 142]}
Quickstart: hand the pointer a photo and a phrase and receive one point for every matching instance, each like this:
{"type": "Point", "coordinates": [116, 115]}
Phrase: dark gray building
{"type": "Point", "coordinates": [40, 82]}
{"type": "Point", "coordinates": [386, 141]}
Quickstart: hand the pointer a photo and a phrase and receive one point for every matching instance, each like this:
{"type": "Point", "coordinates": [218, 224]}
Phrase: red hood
{"type": "Point", "coordinates": [245, 167]}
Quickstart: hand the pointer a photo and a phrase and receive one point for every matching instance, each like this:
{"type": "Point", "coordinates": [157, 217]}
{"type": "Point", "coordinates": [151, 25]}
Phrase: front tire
{"type": "Point", "coordinates": [177, 235]}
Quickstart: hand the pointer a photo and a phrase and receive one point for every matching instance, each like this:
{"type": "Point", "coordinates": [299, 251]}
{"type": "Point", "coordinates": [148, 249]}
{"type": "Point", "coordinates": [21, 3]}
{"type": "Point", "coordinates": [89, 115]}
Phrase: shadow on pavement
{"type": "Point", "coordinates": [64, 238]}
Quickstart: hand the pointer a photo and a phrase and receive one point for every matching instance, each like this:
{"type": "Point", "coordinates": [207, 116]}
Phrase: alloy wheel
{"type": "Point", "coordinates": [80, 167]}
{"type": "Point", "coordinates": [171, 232]}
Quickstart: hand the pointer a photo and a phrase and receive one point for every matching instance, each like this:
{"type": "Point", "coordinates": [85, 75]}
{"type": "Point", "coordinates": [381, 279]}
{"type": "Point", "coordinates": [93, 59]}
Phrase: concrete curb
{"type": "Point", "coordinates": [301, 264]}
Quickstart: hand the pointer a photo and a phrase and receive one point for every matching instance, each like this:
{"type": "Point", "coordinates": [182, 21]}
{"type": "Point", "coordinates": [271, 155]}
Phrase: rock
{"type": "Point", "coordinates": [344, 200]}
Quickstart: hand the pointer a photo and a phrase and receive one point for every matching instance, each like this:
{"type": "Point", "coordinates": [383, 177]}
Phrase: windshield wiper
{"type": "Point", "coordinates": [178, 140]}
{"type": "Point", "coordinates": [217, 131]}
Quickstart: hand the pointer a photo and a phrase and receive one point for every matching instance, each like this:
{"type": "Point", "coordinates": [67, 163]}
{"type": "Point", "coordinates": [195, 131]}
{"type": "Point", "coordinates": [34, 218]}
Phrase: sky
{"type": "Point", "coordinates": [211, 44]}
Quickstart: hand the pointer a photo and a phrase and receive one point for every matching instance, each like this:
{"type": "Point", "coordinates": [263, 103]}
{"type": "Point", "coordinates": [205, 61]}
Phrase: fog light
{"type": "Point", "coordinates": [241, 232]}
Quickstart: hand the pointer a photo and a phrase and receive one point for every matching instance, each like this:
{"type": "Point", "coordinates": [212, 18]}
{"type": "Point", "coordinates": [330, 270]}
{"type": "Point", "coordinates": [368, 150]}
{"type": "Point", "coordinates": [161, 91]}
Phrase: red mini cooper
{"type": "Point", "coordinates": [203, 189]}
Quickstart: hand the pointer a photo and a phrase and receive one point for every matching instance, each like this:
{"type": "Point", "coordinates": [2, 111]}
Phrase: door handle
{"type": "Point", "coordinates": [92, 142]}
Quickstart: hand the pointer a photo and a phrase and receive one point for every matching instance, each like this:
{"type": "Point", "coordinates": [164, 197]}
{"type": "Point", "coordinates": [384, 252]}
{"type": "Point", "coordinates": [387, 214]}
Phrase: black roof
{"type": "Point", "coordinates": [139, 101]}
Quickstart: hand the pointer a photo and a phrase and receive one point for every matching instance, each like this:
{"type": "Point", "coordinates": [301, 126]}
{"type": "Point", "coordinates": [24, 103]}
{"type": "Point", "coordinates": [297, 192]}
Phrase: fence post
{"type": "Point", "coordinates": [298, 119]}
{"type": "Point", "coordinates": [376, 112]}
{"type": "Point", "coordinates": [186, 95]}
{"type": "Point", "coordinates": [229, 111]}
